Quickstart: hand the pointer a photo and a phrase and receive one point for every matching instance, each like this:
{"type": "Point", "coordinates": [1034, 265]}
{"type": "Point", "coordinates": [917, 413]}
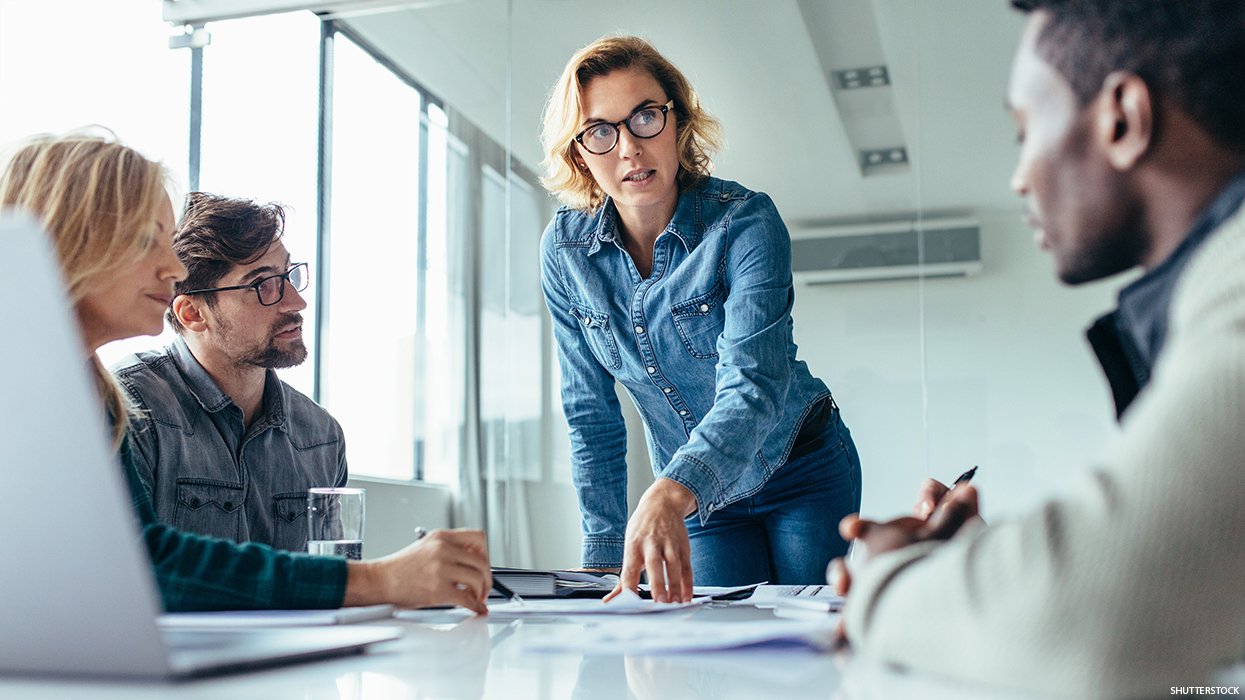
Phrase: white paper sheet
{"type": "Point", "coordinates": [713, 591]}
{"type": "Point", "coordinates": [637, 636]}
{"type": "Point", "coordinates": [816, 597]}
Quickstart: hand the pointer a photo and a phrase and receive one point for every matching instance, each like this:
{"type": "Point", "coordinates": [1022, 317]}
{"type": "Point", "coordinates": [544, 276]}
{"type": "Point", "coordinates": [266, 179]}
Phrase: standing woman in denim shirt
{"type": "Point", "coordinates": [678, 286]}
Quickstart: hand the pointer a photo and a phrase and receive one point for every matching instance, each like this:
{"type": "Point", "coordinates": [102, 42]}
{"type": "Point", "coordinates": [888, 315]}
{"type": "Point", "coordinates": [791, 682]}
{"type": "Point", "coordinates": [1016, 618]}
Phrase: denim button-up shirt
{"type": "Point", "coordinates": [206, 472]}
{"type": "Point", "coordinates": [703, 346]}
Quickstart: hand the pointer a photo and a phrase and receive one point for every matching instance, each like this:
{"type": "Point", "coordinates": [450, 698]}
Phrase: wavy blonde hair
{"type": "Point", "coordinates": [97, 199]}
{"type": "Point", "coordinates": [699, 133]}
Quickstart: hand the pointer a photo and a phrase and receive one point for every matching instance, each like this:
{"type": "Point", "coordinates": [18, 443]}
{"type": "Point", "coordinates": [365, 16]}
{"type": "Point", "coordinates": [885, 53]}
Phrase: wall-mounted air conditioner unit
{"type": "Point", "coordinates": [897, 250]}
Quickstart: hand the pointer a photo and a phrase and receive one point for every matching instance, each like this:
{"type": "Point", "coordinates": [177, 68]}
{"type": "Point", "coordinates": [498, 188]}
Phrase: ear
{"type": "Point", "coordinates": [1125, 124]}
{"type": "Point", "coordinates": [576, 156]}
{"type": "Point", "coordinates": [188, 313]}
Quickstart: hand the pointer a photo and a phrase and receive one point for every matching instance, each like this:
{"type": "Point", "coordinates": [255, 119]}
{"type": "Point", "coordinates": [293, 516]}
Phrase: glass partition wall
{"type": "Point", "coordinates": [470, 395]}
{"type": "Point", "coordinates": [877, 128]}
{"type": "Point", "coordinates": [873, 124]}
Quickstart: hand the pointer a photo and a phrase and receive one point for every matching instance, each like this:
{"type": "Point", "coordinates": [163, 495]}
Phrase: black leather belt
{"type": "Point", "coordinates": [809, 438]}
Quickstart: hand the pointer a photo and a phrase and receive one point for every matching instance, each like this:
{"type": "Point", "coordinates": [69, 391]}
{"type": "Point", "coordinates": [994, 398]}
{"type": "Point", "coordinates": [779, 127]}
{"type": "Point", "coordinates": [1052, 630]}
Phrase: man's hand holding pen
{"type": "Point", "coordinates": [944, 512]}
{"type": "Point", "coordinates": [932, 492]}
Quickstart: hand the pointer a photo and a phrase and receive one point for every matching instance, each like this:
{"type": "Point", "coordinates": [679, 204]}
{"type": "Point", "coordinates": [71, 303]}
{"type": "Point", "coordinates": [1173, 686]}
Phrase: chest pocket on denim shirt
{"type": "Point", "coordinates": [209, 507]}
{"type": "Point", "coordinates": [289, 513]}
{"type": "Point", "coordinates": [596, 330]}
{"type": "Point", "coordinates": [700, 320]}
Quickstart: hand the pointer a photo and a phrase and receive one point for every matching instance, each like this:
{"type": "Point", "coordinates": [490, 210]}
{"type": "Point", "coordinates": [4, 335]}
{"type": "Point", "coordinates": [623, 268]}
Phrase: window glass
{"type": "Point", "coordinates": [368, 377]}
{"type": "Point", "coordinates": [56, 75]}
{"type": "Point", "coordinates": [510, 328]}
{"type": "Point", "coordinates": [260, 101]}
{"type": "Point", "coordinates": [391, 373]}
{"type": "Point", "coordinates": [440, 398]}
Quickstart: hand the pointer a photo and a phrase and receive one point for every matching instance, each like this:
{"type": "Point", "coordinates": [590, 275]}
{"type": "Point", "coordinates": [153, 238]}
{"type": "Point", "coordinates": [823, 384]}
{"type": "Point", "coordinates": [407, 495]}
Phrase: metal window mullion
{"type": "Point", "coordinates": [196, 115]}
{"type": "Point", "coordinates": [472, 301]}
{"type": "Point", "coordinates": [324, 192]}
{"type": "Point", "coordinates": [421, 282]}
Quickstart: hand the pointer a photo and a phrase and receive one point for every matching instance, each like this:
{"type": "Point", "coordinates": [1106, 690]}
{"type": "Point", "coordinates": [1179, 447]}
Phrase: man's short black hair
{"type": "Point", "coordinates": [217, 233]}
{"type": "Point", "coordinates": [1189, 51]}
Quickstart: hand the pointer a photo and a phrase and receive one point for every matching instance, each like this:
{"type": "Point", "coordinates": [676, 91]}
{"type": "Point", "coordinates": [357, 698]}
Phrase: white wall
{"type": "Point", "coordinates": [395, 508]}
{"type": "Point", "coordinates": [556, 536]}
{"type": "Point", "coordinates": [1012, 384]}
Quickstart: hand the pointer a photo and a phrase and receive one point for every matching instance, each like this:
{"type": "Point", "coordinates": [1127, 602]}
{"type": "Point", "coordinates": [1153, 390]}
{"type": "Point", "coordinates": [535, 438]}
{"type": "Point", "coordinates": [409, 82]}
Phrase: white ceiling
{"type": "Point", "coordinates": [754, 64]}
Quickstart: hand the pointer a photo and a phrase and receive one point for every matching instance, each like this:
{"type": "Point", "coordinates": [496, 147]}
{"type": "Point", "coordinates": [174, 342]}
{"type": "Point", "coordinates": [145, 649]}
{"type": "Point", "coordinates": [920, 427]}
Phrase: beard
{"type": "Point", "coordinates": [1110, 258]}
{"type": "Point", "coordinates": [1105, 248]}
{"type": "Point", "coordinates": [270, 355]}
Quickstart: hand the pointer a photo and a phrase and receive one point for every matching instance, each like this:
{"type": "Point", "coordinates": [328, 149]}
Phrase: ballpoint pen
{"type": "Point", "coordinates": [498, 586]}
{"type": "Point", "coordinates": [856, 550]}
{"type": "Point", "coordinates": [965, 477]}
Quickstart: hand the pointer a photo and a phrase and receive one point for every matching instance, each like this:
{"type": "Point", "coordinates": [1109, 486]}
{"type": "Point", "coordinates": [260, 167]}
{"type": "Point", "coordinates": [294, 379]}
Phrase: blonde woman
{"type": "Point", "coordinates": [107, 210]}
{"type": "Point", "coordinates": [677, 285]}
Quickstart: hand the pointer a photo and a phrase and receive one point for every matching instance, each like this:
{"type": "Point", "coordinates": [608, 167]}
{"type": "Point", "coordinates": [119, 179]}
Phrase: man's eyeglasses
{"type": "Point", "coordinates": [644, 123]}
{"type": "Point", "coordinates": [271, 289]}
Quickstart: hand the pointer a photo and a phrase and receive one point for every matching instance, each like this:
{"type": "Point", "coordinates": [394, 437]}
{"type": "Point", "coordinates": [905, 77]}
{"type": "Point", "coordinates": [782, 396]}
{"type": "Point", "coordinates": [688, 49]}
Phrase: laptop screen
{"type": "Point", "coordinates": [76, 590]}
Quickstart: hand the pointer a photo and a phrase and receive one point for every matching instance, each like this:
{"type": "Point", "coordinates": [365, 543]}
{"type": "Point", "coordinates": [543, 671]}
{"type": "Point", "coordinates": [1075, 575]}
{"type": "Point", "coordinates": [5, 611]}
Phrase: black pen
{"type": "Point", "coordinates": [497, 585]}
{"type": "Point", "coordinates": [965, 477]}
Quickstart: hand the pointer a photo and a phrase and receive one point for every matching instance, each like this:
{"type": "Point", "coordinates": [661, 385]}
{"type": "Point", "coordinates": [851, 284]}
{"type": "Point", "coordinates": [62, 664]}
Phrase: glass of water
{"type": "Point", "coordinates": [335, 522]}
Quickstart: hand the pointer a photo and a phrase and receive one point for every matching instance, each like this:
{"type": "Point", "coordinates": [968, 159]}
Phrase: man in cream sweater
{"type": "Point", "coordinates": [1131, 115]}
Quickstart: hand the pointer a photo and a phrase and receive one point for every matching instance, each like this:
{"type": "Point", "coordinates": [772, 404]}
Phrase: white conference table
{"type": "Point", "coordinates": [445, 655]}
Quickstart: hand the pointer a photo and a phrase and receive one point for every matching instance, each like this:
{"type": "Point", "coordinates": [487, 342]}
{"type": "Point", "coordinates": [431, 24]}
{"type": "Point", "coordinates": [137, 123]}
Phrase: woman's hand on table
{"type": "Point", "coordinates": [657, 542]}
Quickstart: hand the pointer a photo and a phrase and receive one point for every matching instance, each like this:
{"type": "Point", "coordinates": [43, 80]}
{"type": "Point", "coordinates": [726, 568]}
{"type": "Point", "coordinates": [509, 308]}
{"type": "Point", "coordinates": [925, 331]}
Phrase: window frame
{"type": "Point", "coordinates": [481, 150]}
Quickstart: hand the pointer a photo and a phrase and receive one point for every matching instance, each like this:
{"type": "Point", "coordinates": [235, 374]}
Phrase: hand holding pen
{"type": "Point", "coordinates": [950, 508]}
{"type": "Point", "coordinates": [503, 589]}
{"type": "Point", "coordinates": [443, 567]}
{"type": "Point", "coordinates": [940, 521]}
{"type": "Point", "coordinates": [933, 491]}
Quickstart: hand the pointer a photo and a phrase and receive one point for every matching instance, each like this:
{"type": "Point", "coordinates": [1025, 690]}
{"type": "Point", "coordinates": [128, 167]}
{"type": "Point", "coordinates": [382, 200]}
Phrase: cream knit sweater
{"type": "Point", "coordinates": [1133, 583]}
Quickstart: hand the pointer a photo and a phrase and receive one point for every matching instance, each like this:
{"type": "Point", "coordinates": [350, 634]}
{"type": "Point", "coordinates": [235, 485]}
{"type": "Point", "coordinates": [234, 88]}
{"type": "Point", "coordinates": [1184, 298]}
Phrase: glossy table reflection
{"type": "Point", "coordinates": [446, 655]}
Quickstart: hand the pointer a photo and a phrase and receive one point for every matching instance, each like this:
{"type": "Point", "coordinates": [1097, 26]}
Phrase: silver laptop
{"type": "Point", "coordinates": [77, 596]}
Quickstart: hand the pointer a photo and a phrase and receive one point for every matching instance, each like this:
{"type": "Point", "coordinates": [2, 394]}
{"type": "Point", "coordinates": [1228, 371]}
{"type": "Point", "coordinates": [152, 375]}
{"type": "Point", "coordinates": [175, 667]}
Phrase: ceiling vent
{"type": "Point", "coordinates": [897, 250]}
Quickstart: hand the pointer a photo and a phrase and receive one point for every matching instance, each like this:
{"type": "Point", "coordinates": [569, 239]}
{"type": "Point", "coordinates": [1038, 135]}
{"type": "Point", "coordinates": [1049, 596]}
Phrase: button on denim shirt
{"type": "Point", "coordinates": [703, 346]}
{"type": "Point", "coordinates": [206, 473]}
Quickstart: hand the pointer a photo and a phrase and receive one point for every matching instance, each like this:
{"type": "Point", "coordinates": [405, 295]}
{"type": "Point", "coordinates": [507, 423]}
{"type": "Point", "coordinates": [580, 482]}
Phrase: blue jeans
{"type": "Point", "coordinates": [789, 531]}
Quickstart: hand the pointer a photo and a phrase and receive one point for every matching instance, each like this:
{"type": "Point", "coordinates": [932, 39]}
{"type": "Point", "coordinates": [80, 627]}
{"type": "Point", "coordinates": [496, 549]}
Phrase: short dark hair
{"type": "Point", "coordinates": [216, 233]}
{"type": "Point", "coordinates": [1189, 51]}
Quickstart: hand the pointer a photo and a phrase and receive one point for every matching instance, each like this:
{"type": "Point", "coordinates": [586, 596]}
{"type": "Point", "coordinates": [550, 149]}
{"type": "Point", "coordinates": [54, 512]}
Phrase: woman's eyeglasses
{"type": "Point", "coordinates": [644, 123]}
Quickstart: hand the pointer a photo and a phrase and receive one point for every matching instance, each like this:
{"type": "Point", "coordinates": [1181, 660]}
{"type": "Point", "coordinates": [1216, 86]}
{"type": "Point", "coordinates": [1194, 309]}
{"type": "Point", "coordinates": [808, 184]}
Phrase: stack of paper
{"type": "Point", "coordinates": [528, 583]}
{"type": "Point", "coordinates": [538, 583]}
{"type": "Point", "coordinates": [626, 603]}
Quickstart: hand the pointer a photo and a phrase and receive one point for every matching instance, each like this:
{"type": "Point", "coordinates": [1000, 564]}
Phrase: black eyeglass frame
{"type": "Point", "coordinates": [284, 277]}
{"type": "Point", "coordinates": [664, 109]}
